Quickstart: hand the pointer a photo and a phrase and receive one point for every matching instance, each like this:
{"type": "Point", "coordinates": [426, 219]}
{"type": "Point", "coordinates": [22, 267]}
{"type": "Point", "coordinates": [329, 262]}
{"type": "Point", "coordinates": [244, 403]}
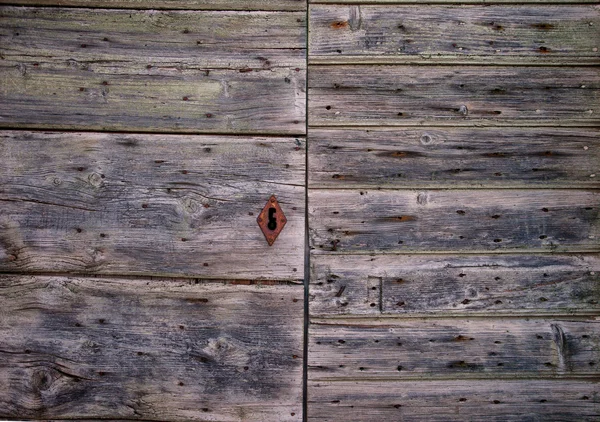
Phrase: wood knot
{"type": "Point", "coordinates": [41, 380]}
{"type": "Point", "coordinates": [426, 139]}
{"type": "Point", "coordinates": [95, 180]}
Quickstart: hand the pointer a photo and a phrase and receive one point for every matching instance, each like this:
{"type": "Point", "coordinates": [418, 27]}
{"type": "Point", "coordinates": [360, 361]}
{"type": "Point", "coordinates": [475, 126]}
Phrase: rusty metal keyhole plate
{"type": "Point", "coordinates": [271, 220]}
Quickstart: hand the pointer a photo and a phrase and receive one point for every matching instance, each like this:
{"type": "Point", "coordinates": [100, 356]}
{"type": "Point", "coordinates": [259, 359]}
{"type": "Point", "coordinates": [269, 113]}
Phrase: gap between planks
{"type": "Point", "coordinates": [168, 6]}
{"type": "Point", "coordinates": [154, 278]}
{"type": "Point", "coordinates": [442, 187]}
{"type": "Point", "coordinates": [136, 9]}
{"type": "Point", "coordinates": [537, 251]}
{"type": "Point", "coordinates": [464, 377]}
{"type": "Point", "coordinates": [42, 130]}
{"type": "Point", "coordinates": [307, 267]}
{"type": "Point", "coordinates": [382, 320]}
{"type": "Point", "coordinates": [481, 61]}
{"type": "Point", "coordinates": [350, 319]}
{"type": "Point", "coordinates": [475, 124]}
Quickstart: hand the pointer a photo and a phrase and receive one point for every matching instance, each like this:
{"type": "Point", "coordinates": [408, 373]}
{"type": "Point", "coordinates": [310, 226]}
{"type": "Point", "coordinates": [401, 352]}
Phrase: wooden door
{"type": "Point", "coordinates": [140, 142]}
{"type": "Point", "coordinates": [437, 165]}
{"type": "Point", "coordinates": [453, 211]}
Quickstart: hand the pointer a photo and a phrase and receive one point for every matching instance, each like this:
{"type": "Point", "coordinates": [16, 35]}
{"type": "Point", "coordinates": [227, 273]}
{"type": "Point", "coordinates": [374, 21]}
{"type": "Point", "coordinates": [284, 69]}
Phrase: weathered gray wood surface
{"type": "Point", "coordinates": [173, 4]}
{"type": "Point", "coordinates": [149, 204]}
{"type": "Point", "coordinates": [453, 220]}
{"type": "Point", "coordinates": [453, 95]}
{"type": "Point", "coordinates": [473, 34]}
{"type": "Point", "coordinates": [80, 348]}
{"type": "Point", "coordinates": [212, 39]}
{"type": "Point", "coordinates": [162, 71]}
{"type": "Point", "coordinates": [454, 157]}
{"type": "Point", "coordinates": [454, 285]}
{"type": "Point", "coordinates": [453, 348]}
{"type": "Point", "coordinates": [473, 400]}
{"type": "Point", "coordinates": [429, 298]}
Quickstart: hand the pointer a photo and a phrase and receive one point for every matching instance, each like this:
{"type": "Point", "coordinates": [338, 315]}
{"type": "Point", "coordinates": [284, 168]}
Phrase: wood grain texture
{"type": "Point", "coordinates": [473, 400]}
{"type": "Point", "coordinates": [412, 285]}
{"type": "Point", "coordinates": [149, 204]}
{"type": "Point", "coordinates": [453, 348]}
{"type": "Point", "coordinates": [454, 157]}
{"type": "Point", "coordinates": [172, 4]}
{"type": "Point", "coordinates": [483, 34]}
{"type": "Point", "coordinates": [453, 220]}
{"type": "Point", "coordinates": [80, 348]}
{"type": "Point", "coordinates": [453, 95]}
{"type": "Point", "coordinates": [169, 71]}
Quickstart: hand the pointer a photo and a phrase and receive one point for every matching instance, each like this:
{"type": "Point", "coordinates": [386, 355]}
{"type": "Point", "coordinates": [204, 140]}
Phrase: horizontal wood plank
{"type": "Point", "coordinates": [453, 220]}
{"type": "Point", "coordinates": [149, 204]}
{"type": "Point", "coordinates": [473, 400]}
{"type": "Point", "coordinates": [497, 34]}
{"type": "Point", "coordinates": [85, 348]}
{"type": "Point", "coordinates": [172, 4]}
{"type": "Point", "coordinates": [169, 71]}
{"type": "Point", "coordinates": [453, 95]}
{"type": "Point", "coordinates": [454, 157]}
{"type": "Point", "coordinates": [110, 38]}
{"type": "Point", "coordinates": [412, 285]}
{"type": "Point", "coordinates": [453, 348]}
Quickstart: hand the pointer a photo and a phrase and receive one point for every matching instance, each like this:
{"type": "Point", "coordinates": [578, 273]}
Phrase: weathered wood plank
{"type": "Point", "coordinates": [149, 349]}
{"type": "Point", "coordinates": [105, 38]}
{"type": "Point", "coordinates": [282, 5]}
{"type": "Point", "coordinates": [149, 204]}
{"type": "Point", "coordinates": [453, 95]}
{"type": "Point", "coordinates": [454, 220]}
{"type": "Point", "coordinates": [490, 157]}
{"type": "Point", "coordinates": [412, 285]}
{"type": "Point", "coordinates": [484, 34]}
{"type": "Point", "coordinates": [452, 348]}
{"type": "Point", "coordinates": [474, 400]}
{"type": "Point", "coordinates": [169, 71]}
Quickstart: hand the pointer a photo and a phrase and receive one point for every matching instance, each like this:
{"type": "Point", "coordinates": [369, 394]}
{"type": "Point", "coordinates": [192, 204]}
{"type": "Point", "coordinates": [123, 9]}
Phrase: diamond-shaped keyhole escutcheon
{"type": "Point", "coordinates": [271, 220]}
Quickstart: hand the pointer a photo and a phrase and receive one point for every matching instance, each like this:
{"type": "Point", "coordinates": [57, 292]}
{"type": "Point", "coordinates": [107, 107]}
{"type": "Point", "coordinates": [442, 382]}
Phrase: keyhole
{"type": "Point", "coordinates": [272, 225]}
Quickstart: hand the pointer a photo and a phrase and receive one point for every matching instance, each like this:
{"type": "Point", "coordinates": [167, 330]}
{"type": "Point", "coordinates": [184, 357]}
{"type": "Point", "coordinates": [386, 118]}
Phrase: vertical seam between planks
{"type": "Point", "coordinates": [306, 238]}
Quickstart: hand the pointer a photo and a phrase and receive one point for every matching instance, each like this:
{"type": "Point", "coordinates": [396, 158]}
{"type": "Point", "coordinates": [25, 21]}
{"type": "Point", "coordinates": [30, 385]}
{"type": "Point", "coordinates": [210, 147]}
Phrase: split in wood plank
{"type": "Point", "coordinates": [454, 157]}
{"type": "Point", "coordinates": [150, 204]}
{"type": "Point", "coordinates": [453, 95]}
{"type": "Point", "coordinates": [353, 221]}
{"type": "Point", "coordinates": [437, 348]}
{"type": "Point", "coordinates": [484, 34]}
{"type": "Point", "coordinates": [85, 348]}
{"type": "Point", "coordinates": [169, 71]}
{"type": "Point", "coordinates": [443, 401]}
